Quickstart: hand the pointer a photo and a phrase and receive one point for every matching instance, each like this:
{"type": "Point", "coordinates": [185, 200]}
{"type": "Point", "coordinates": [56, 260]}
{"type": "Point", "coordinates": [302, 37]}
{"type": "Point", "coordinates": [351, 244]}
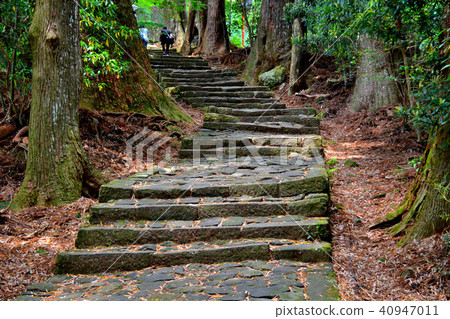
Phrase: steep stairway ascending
{"type": "Point", "coordinates": [252, 185]}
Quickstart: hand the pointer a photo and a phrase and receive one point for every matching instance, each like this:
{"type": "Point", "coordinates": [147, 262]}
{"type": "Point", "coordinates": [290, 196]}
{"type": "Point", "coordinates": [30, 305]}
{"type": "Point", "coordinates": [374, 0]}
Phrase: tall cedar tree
{"type": "Point", "coordinates": [273, 42]}
{"type": "Point", "coordinates": [215, 40]}
{"type": "Point", "coordinates": [58, 170]}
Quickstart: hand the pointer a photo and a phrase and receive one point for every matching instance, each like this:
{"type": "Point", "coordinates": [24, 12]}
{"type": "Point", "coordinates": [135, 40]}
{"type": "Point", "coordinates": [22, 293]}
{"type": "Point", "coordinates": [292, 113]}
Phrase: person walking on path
{"type": "Point", "coordinates": [166, 39]}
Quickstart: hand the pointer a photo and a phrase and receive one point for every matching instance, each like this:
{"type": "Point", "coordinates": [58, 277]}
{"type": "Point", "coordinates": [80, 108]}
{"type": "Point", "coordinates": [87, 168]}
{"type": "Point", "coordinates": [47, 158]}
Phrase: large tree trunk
{"type": "Point", "coordinates": [373, 87]}
{"type": "Point", "coordinates": [426, 208]}
{"type": "Point", "coordinates": [427, 204]}
{"type": "Point", "coordinates": [138, 89]}
{"type": "Point", "coordinates": [273, 41]}
{"type": "Point", "coordinates": [57, 166]}
{"type": "Point", "coordinates": [203, 16]}
{"type": "Point", "coordinates": [298, 74]}
{"type": "Point", "coordinates": [215, 40]}
{"type": "Point", "coordinates": [189, 34]}
{"type": "Point", "coordinates": [181, 23]}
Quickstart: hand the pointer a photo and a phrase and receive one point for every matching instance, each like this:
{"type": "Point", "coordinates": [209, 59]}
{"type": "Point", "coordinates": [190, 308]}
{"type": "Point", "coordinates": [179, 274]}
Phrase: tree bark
{"type": "Point", "coordinates": [57, 167]}
{"type": "Point", "coordinates": [424, 211]}
{"type": "Point", "coordinates": [273, 41]}
{"type": "Point", "coordinates": [299, 60]}
{"type": "Point", "coordinates": [373, 87]}
{"type": "Point", "coordinates": [215, 40]}
{"type": "Point", "coordinates": [181, 26]}
{"type": "Point", "coordinates": [189, 34]}
{"type": "Point", "coordinates": [137, 90]}
{"type": "Point", "coordinates": [203, 16]}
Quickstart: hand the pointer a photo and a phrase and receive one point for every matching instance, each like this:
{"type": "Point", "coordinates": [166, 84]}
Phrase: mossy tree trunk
{"type": "Point", "coordinates": [58, 170]}
{"type": "Point", "coordinates": [137, 90]}
{"type": "Point", "coordinates": [215, 40]}
{"type": "Point", "coordinates": [272, 45]}
{"type": "Point", "coordinates": [298, 74]}
{"type": "Point", "coordinates": [426, 209]}
{"type": "Point", "coordinates": [374, 86]}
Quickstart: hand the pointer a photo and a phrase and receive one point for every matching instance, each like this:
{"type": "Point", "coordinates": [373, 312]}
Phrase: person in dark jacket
{"type": "Point", "coordinates": [166, 39]}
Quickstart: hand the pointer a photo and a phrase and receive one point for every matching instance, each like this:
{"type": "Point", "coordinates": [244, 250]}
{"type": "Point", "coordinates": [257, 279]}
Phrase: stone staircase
{"type": "Point", "coordinates": [251, 186]}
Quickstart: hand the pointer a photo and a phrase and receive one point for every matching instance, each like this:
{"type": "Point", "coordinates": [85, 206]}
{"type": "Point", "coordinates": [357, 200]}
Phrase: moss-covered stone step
{"type": "Point", "coordinates": [171, 61]}
{"type": "Point", "coordinates": [260, 106]}
{"type": "Point", "coordinates": [239, 94]}
{"type": "Point", "coordinates": [307, 121]}
{"type": "Point", "coordinates": [260, 112]}
{"type": "Point", "coordinates": [269, 127]}
{"type": "Point", "coordinates": [212, 100]}
{"type": "Point", "coordinates": [198, 79]}
{"type": "Point", "coordinates": [190, 209]}
{"type": "Point", "coordinates": [205, 139]}
{"type": "Point", "coordinates": [207, 88]}
{"type": "Point", "coordinates": [292, 179]}
{"type": "Point", "coordinates": [139, 257]}
{"type": "Point", "coordinates": [181, 66]}
{"type": "Point", "coordinates": [205, 82]}
{"type": "Point", "coordinates": [194, 73]}
{"type": "Point", "coordinates": [176, 58]}
{"type": "Point", "coordinates": [183, 232]}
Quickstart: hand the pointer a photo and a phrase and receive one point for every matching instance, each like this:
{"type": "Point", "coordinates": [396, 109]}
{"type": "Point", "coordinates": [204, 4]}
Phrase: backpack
{"type": "Point", "coordinates": [166, 37]}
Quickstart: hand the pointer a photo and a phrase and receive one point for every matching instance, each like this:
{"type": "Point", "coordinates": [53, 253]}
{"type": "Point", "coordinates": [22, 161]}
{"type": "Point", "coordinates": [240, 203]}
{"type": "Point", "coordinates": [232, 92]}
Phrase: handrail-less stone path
{"type": "Point", "coordinates": [243, 216]}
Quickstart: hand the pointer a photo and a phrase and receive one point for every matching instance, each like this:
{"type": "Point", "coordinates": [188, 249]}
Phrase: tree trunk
{"type": "Point", "coordinates": [247, 23]}
{"type": "Point", "coordinates": [181, 26]}
{"type": "Point", "coordinates": [373, 87]}
{"type": "Point", "coordinates": [57, 167]}
{"type": "Point", "coordinates": [215, 40]}
{"type": "Point", "coordinates": [272, 46]}
{"type": "Point", "coordinates": [137, 90]}
{"type": "Point", "coordinates": [299, 60]}
{"type": "Point", "coordinates": [189, 34]}
{"type": "Point", "coordinates": [203, 15]}
{"type": "Point", "coordinates": [426, 209]}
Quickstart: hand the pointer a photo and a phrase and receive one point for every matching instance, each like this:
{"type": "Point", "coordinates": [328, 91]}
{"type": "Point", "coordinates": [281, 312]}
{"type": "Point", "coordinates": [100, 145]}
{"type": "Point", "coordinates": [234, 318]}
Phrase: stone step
{"type": "Point", "coordinates": [175, 83]}
{"type": "Point", "coordinates": [193, 79]}
{"type": "Point", "coordinates": [206, 139]}
{"type": "Point", "coordinates": [181, 66]}
{"type": "Point", "coordinates": [171, 63]}
{"type": "Point", "coordinates": [175, 58]}
{"type": "Point", "coordinates": [243, 94]}
{"type": "Point", "coordinates": [230, 179]}
{"type": "Point", "coordinates": [207, 88]}
{"type": "Point", "coordinates": [228, 105]}
{"type": "Point", "coordinates": [212, 100]}
{"type": "Point", "coordinates": [183, 232]}
{"type": "Point", "coordinates": [189, 209]}
{"type": "Point", "coordinates": [220, 153]}
{"type": "Point", "coordinates": [139, 257]}
{"type": "Point", "coordinates": [263, 112]}
{"type": "Point", "coordinates": [297, 119]}
{"type": "Point", "coordinates": [269, 127]}
{"type": "Point", "coordinates": [193, 73]}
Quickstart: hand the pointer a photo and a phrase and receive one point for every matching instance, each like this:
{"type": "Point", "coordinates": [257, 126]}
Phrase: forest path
{"type": "Point", "coordinates": [243, 216]}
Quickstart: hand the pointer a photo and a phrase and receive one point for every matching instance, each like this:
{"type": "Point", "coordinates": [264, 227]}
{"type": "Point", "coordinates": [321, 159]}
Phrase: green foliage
{"type": "Point", "coordinates": [102, 41]}
{"type": "Point", "coordinates": [15, 57]}
{"type": "Point", "coordinates": [412, 33]}
{"type": "Point", "coordinates": [236, 11]}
